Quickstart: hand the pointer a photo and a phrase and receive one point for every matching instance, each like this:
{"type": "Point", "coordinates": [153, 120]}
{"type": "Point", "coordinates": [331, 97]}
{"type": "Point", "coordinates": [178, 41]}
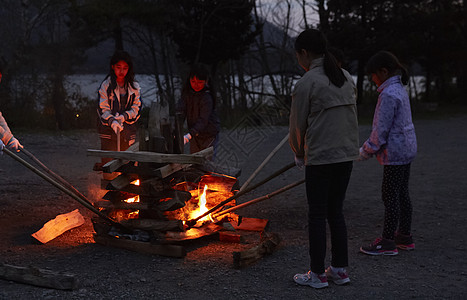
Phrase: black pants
{"type": "Point", "coordinates": [326, 186]}
{"type": "Point", "coordinates": [396, 199]}
{"type": "Point", "coordinates": [198, 143]}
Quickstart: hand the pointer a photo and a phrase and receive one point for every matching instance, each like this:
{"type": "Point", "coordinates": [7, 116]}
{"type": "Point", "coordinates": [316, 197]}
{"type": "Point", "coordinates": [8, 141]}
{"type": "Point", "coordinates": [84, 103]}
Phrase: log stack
{"type": "Point", "coordinates": [151, 195]}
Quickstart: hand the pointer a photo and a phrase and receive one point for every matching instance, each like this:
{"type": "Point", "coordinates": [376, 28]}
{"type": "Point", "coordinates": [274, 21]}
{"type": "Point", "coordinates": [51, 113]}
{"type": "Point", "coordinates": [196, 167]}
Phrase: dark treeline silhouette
{"type": "Point", "coordinates": [247, 44]}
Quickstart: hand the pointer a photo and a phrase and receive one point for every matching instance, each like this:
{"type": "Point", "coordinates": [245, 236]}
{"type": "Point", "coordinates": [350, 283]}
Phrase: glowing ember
{"type": "Point", "coordinates": [136, 198]}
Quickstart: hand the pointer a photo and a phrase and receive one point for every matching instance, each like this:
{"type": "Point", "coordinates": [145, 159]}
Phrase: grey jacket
{"type": "Point", "coordinates": [323, 118]}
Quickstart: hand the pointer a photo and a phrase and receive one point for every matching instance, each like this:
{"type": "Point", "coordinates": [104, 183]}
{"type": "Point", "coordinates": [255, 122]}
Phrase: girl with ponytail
{"type": "Point", "coordinates": [393, 142]}
{"type": "Point", "coordinates": [324, 137]}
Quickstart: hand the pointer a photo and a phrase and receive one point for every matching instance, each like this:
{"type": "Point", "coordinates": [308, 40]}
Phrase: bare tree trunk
{"type": "Point", "coordinates": [323, 16]}
{"type": "Point", "coordinates": [118, 36]}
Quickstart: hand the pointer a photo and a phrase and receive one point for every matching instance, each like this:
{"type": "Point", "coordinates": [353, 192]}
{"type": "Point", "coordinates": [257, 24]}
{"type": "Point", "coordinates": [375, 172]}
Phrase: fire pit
{"type": "Point", "coordinates": [154, 200]}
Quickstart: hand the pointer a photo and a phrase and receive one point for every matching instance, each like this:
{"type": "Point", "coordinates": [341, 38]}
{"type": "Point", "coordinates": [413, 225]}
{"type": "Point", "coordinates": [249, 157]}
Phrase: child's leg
{"type": "Point", "coordinates": [405, 219]}
{"type": "Point", "coordinates": [391, 189]}
{"type": "Point", "coordinates": [336, 220]}
{"type": "Point", "coordinates": [318, 181]}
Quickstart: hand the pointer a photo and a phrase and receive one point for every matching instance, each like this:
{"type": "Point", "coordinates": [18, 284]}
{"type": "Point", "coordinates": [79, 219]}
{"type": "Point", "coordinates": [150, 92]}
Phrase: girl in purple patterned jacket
{"type": "Point", "coordinates": [394, 143]}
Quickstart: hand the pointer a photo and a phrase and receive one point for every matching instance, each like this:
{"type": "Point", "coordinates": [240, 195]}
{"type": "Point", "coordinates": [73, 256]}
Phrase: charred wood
{"type": "Point", "coordinates": [268, 244]}
{"type": "Point", "coordinates": [142, 156]}
{"type": "Point", "coordinates": [121, 182]}
{"type": "Point", "coordinates": [38, 277]}
{"type": "Point", "coordinates": [157, 225]}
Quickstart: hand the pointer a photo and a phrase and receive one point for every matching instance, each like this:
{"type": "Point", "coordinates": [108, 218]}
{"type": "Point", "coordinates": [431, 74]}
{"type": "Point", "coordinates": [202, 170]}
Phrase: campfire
{"type": "Point", "coordinates": [154, 202]}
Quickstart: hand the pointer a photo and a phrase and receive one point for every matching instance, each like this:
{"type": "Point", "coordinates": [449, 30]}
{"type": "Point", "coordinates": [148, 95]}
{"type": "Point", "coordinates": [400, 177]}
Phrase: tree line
{"type": "Point", "coordinates": [248, 45]}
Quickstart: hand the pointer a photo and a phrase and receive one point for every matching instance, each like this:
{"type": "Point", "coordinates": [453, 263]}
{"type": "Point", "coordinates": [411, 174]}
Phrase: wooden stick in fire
{"type": "Point", "coordinates": [266, 160]}
{"type": "Point", "coordinates": [265, 197]}
{"type": "Point", "coordinates": [118, 139]}
{"type": "Point", "coordinates": [192, 222]}
{"type": "Point", "coordinates": [86, 203]}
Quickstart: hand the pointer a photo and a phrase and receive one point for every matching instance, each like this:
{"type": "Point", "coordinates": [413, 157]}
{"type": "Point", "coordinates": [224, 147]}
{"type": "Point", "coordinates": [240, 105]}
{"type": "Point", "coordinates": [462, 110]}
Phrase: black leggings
{"type": "Point", "coordinates": [326, 186]}
{"type": "Point", "coordinates": [396, 199]}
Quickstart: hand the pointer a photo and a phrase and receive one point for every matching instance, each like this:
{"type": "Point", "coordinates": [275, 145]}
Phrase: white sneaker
{"type": "Point", "coordinates": [339, 278]}
{"type": "Point", "coordinates": [314, 280]}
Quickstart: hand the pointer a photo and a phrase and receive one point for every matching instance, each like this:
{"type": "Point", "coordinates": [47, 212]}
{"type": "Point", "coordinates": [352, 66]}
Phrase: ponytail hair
{"type": "Point", "coordinates": [387, 60]}
{"type": "Point", "coordinates": [315, 42]}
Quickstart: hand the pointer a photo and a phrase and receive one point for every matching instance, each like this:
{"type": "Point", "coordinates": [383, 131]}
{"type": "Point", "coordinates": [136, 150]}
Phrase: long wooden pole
{"type": "Point", "coordinates": [192, 222]}
{"type": "Point", "coordinates": [86, 204]}
{"type": "Point", "coordinates": [55, 175]}
{"type": "Point", "coordinates": [266, 160]}
{"type": "Point", "coordinates": [265, 197]}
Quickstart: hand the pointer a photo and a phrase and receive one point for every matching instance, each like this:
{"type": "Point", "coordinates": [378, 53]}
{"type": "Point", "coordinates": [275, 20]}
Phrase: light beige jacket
{"type": "Point", "coordinates": [323, 118]}
{"type": "Point", "coordinates": [5, 132]}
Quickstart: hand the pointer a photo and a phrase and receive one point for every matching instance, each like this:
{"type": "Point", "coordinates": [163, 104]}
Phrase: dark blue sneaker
{"type": "Point", "coordinates": [380, 247]}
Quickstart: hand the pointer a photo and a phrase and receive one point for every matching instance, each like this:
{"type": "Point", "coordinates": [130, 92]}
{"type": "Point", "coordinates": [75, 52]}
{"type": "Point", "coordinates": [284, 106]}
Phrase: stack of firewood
{"type": "Point", "coordinates": [150, 187]}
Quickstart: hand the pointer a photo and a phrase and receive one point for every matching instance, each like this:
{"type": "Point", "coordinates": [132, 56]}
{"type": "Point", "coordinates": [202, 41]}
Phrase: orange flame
{"type": "Point", "coordinates": [136, 198]}
{"type": "Point", "coordinates": [201, 206]}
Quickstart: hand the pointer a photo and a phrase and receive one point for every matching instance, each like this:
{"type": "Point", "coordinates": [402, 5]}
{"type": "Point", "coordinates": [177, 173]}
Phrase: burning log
{"type": "Point", "coordinates": [192, 222]}
{"type": "Point", "coordinates": [269, 242]}
{"type": "Point", "coordinates": [59, 225]}
{"type": "Point", "coordinates": [193, 233]}
{"type": "Point", "coordinates": [38, 277]}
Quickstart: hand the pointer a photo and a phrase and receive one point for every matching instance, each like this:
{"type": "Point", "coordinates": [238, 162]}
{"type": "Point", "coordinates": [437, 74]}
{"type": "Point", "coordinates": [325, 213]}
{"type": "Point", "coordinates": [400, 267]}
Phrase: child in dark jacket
{"type": "Point", "coordinates": [198, 106]}
{"type": "Point", "coordinates": [394, 143]}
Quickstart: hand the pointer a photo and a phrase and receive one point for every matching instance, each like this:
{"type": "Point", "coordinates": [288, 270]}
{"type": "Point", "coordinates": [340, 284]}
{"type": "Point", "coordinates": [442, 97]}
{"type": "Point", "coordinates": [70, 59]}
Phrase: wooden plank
{"type": "Point", "coordinates": [169, 169]}
{"type": "Point", "coordinates": [121, 181]}
{"type": "Point", "coordinates": [247, 257]}
{"type": "Point", "coordinates": [113, 165]}
{"type": "Point", "coordinates": [230, 237]}
{"type": "Point", "coordinates": [59, 225]}
{"type": "Point", "coordinates": [38, 277]}
{"type": "Point", "coordinates": [250, 224]}
{"type": "Point", "coordinates": [144, 156]}
{"type": "Point", "coordinates": [192, 233]}
{"type": "Point", "coordinates": [141, 247]}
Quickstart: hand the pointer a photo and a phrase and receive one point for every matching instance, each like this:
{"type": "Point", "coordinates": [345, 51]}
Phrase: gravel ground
{"type": "Point", "coordinates": [435, 270]}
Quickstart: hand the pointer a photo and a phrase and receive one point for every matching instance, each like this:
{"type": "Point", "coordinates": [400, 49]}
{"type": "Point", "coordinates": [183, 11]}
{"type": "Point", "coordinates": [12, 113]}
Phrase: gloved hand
{"type": "Point", "coordinates": [300, 162]}
{"type": "Point", "coordinates": [186, 138]}
{"type": "Point", "coordinates": [116, 126]}
{"type": "Point", "coordinates": [120, 119]}
{"type": "Point", "coordinates": [363, 155]}
{"type": "Point", "coordinates": [14, 144]}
